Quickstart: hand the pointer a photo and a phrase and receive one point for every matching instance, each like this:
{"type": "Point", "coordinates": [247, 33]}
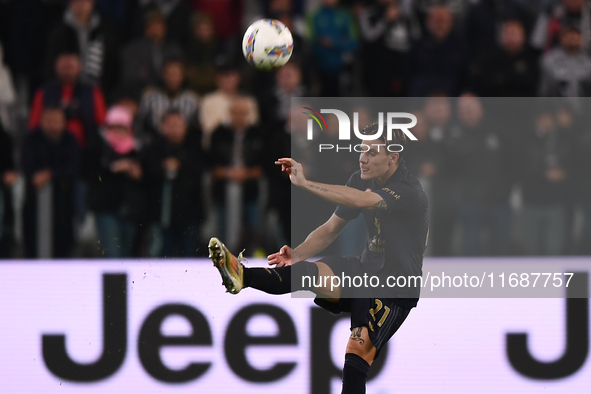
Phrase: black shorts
{"type": "Point", "coordinates": [381, 316]}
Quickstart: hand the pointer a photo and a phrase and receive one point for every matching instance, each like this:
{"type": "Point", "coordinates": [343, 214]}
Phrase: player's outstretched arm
{"type": "Point", "coordinates": [315, 243]}
{"type": "Point", "coordinates": [337, 194]}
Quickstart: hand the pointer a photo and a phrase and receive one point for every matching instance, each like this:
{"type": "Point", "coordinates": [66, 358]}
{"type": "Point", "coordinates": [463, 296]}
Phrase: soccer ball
{"type": "Point", "coordinates": [267, 44]}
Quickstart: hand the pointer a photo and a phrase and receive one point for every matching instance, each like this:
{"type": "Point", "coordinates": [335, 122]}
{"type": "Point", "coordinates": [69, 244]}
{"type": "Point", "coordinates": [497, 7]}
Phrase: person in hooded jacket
{"type": "Point", "coordinates": [115, 188]}
{"type": "Point", "coordinates": [173, 166]}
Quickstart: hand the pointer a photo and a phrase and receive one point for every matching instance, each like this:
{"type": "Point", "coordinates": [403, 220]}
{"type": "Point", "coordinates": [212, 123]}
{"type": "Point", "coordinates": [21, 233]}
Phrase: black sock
{"type": "Point", "coordinates": [278, 280]}
{"type": "Point", "coordinates": [269, 280]}
{"type": "Point", "coordinates": [303, 270]}
{"type": "Point", "coordinates": [354, 374]}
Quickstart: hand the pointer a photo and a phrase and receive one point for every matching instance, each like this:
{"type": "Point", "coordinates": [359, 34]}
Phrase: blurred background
{"type": "Point", "coordinates": [128, 127]}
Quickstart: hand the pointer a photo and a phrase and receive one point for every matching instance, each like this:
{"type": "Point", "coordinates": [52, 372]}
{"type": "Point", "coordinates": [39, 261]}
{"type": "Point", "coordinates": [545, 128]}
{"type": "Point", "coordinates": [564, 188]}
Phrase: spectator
{"type": "Point", "coordinates": [50, 155]}
{"type": "Point", "coordinates": [550, 23]}
{"type": "Point", "coordinates": [236, 155]}
{"type": "Point", "coordinates": [7, 93]}
{"type": "Point", "coordinates": [143, 58]}
{"type": "Point", "coordinates": [83, 104]}
{"type": "Point", "coordinates": [437, 61]}
{"type": "Point", "coordinates": [333, 39]}
{"type": "Point", "coordinates": [215, 108]}
{"type": "Point", "coordinates": [128, 101]}
{"type": "Point", "coordinates": [544, 174]}
{"type": "Point", "coordinates": [174, 171]}
{"type": "Point", "coordinates": [445, 177]}
{"type": "Point", "coordinates": [510, 70]}
{"type": "Point", "coordinates": [485, 20]}
{"type": "Point", "coordinates": [85, 108]}
{"type": "Point", "coordinates": [486, 173]}
{"type": "Point", "coordinates": [115, 193]}
{"type": "Point", "coordinates": [296, 7]}
{"type": "Point", "coordinates": [278, 144]}
{"type": "Point", "coordinates": [203, 53]}
{"type": "Point", "coordinates": [422, 8]}
{"type": "Point", "coordinates": [32, 22]}
{"type": "Point", "coordinates": [568, 127]}
{"type": "Point", "coordinates": [387, 36]}
{"type": "Point", "coordinates": [424, 156]}
{"type": "Point", "coordinates": [8, 176]}
{"type": "Point", "coordinates": [275, 103]}
{"type": "Point", "coordinates": [283, 11]}
{"type": "Point", "coordinates": [303, 150]}
{"type": "Point", "coordinates": [117, 10]}
{"type": "Point", "coordinates": [121, 12]}
{"type": "Point", "coordinates": [258, 82]}
{"type": "Point", "coordinates": [177, 14]}
{"type": "Point", "coordinates": [227, 24]}
{"type": "Point", "coordinates": [566, 71]}
{"type": "Point", "coordinates": [582, 153]}
{"type": "Point", "coordinates": [173, 94]}
{"type": "Point", "coordinates": [95, 40]}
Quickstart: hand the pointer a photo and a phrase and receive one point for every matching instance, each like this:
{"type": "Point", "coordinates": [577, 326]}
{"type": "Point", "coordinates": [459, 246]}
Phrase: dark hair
{"type": "Point", "coordinates": [152, 16]}
{"type": "Point", "coordinates": [512, 20]}
{"type": "Point", "coordinates": [52, 106]}
{"type": "Point", "coordinates": [174, 59]}
{"type": "Point", "coordinates": [570, 28]}
{"type": "Point", "coordinates": [398, 136]}
{"type": "Point", "coordinates": [200, 17]}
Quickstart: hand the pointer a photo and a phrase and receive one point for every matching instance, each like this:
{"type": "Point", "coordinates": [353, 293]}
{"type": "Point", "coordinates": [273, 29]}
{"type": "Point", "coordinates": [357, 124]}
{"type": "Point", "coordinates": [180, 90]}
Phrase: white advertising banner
{"type": "Point", "coordinates": [167, 326]}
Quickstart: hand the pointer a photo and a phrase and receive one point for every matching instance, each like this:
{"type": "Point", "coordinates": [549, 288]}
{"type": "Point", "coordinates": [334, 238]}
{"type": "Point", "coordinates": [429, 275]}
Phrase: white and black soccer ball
{"type": "Point", "coordinates": [267, 44]}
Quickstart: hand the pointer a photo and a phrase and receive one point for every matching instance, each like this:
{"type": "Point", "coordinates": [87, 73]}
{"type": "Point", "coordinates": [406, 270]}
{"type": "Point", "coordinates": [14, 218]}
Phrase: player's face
{"type": "Point", "coordinates": [376, 161]}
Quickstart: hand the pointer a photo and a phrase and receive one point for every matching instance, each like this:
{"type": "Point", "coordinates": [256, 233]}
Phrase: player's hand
{"type": "Point", "coordinates": [294, 169]}
{"type": "Point", "coordinates": [281, 258]}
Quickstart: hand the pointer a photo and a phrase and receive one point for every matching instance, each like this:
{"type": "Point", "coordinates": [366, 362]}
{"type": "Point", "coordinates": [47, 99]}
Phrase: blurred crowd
{"type": "Point", "coordinates": [135, 128]}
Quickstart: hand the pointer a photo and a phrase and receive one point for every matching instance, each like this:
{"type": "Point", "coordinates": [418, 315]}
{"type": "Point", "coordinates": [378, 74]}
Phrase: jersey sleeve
{"type": "Point", "coordinates": [346, 212]}
{"type": "Point", "coordinates": [397, 200]}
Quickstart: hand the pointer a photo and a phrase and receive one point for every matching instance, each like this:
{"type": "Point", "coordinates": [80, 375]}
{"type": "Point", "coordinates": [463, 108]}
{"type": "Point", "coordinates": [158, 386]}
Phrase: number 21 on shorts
{"type": "Point", "coordinates": [374, 311]}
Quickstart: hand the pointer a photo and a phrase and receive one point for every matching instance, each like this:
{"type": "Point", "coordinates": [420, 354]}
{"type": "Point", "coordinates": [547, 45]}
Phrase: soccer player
{"type": "Point", "coordinates": [394, 207]}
